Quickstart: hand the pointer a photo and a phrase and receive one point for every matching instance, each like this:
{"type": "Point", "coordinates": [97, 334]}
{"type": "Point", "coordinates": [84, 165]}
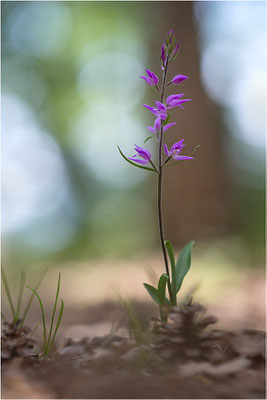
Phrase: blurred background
{"type": "Point", "coordinates": [71, 92]}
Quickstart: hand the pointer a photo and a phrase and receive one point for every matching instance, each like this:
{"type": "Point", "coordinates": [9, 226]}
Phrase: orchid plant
{"type": "Point", "coordinates": [143, 159]}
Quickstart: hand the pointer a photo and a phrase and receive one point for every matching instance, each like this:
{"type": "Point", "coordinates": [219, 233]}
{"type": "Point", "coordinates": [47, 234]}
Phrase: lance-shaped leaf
{"type": "Point", "coordinates": [134, 164]}
{"type": "Point", "coordinates": [162, 288]}
{"type": "Point", "coordinates": [152, 291]}
{"type": "Point", "coordinates": [183, 265]}
{"type": "Point", "coordinates": [172, 262]}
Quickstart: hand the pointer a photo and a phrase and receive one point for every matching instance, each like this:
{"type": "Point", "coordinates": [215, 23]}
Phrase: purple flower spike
{"type": "Point", "coordinates": [143, 153]}
{"type": "Point", "coordinates": [179, 78]}
{"type": "Point", "coordinates": [176, 150]}
{"type": "Point", "coordinates": [151, 78]}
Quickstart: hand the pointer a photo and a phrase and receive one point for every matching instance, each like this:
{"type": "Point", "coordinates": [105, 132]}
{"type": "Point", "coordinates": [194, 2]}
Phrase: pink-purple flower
{"type": "Point", "coordinates": [176, 150]}
{"type": "Point", "coordinates": [151, 78]}
{"type": "Point", "coordinates": [179, 78]}
{"type": "Point", "coordinates": [157, 126]}
{"type": "Point", "coordinates": [175, 101]}
{"type": "Point", "coordinates": [143, 153]}
{"type": "Point", "coordinates": [159, 111]}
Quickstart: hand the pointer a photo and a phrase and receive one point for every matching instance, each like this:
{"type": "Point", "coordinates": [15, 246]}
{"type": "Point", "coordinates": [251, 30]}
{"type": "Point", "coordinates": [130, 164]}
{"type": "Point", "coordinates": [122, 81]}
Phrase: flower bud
{"type": "Point", "coordinates": [179, 78]}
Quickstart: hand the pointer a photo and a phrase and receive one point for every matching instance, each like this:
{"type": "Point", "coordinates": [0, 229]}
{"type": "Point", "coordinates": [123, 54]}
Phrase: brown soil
{"type": "Point", "coordinates": [182, 358]}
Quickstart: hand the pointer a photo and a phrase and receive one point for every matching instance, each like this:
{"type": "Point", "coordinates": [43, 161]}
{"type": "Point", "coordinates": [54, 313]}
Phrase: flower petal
{"type": "Point", "coordinates": [167, 126]}
{"type": "Point", "coordinates": [168, 154]}
{"type": "Point", "coordinates": [143, 162]}
{"type": "Point", "coordinates": [163, 116]}
{"type": "Point", "coordinates": [171, 101]}
{"type": "Point", "coordinates": [152, 76]}
{"type": "Point", "coordinates": [149, 107]}
{"type": "Point", "coordinates": [151, 129]}
{"type": "Point", "coordinates": [178, 145]}
{"type": "Point", "coordinates": [160, 106]}
{"type": "Point", "coordinates": [148, 80]}
{"type": "Point", "coordinates": [182, 158]}
{"type": "Point", "coordinates": [143, 152]}
{"type": "Point", "coordinates": [184, 101]}
{"type": "Point", "coordinates": [157, 123]}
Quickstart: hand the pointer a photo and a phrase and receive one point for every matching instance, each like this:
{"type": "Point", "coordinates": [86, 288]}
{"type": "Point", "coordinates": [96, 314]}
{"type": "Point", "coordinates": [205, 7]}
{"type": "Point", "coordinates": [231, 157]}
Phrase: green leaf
{"type": "Point", "coordinates": [149, 137]}
{"type": "Point", "coordinates": [162, 288]}
{"type": "Point", "coordinates": [152, 291]}
{"type": "Point", "coordinates": [135, 165]}
{"type": "Point", "coordinates": [172, 262]}
{"type": "Point", "coordinates": [183, 265]}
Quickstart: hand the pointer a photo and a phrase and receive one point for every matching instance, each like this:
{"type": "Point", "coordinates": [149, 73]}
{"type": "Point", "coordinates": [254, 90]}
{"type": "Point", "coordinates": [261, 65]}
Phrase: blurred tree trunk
{"type": "Point", "coordinates": [194, 199]}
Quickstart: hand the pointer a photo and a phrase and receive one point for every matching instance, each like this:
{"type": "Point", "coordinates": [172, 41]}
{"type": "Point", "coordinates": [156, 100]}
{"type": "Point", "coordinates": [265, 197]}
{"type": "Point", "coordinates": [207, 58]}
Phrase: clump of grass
{"type": "Point", "coordinates": [50, 337]}
{"type": "Point", "coordinates": [19, 319]}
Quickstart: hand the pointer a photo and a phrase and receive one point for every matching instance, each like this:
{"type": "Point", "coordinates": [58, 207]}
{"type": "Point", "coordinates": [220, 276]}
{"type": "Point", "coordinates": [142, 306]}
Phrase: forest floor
{"type": "Point", "coordinates": [110, 348]}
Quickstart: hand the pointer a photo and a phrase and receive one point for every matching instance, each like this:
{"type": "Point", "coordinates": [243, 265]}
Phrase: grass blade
{"type": "Point", "coordinates": [5, 282]}
{"type": "Point", "coordinates": [135, 165]}
{"type": "Point", "coordinates": [31, 298]}
{"type": "Point", "coordinates": [54, 311]}
{"type": "Point", "coordinates": [21, 290]}
{"type": "Point", "coordinates": [43, 318]}
{"type": "Point", "coordinates": [57, 326]}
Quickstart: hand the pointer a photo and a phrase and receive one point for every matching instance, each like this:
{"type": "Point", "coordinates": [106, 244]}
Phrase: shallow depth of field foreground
{"type": "Point", "coordinates": [133, 200]}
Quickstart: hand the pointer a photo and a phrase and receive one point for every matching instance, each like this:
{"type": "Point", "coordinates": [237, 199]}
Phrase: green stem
{"type": "Point", "coordinates": [160, 172]}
